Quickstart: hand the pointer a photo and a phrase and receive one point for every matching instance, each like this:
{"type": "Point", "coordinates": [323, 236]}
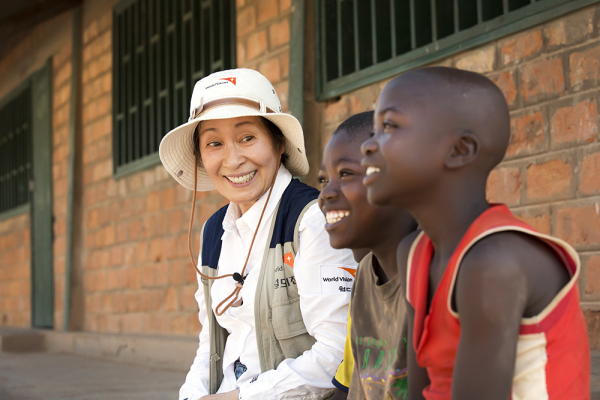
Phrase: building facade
{"type": "Point", "coordinates": [93, 230]}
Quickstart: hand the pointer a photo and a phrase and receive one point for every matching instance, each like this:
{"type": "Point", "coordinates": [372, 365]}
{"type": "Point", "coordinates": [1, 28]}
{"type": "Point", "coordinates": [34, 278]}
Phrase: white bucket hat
{"type": "Point", "coordinates": [229, 94]}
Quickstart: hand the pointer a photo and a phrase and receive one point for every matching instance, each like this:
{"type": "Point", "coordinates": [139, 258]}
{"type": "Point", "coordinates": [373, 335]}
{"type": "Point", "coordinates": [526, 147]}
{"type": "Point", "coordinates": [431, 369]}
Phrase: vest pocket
{"type": "Point", "coordinates": [289, 328]}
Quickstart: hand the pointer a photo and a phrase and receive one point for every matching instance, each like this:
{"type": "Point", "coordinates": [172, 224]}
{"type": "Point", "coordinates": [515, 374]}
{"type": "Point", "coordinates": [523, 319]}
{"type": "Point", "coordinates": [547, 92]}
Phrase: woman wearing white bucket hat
{"type": "Point", "coordinates": [272, 293]}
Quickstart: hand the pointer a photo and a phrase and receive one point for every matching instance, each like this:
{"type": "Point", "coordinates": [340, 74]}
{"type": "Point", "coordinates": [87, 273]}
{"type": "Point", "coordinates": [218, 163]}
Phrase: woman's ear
{"type": "Point", "coordinates": [463, 152]}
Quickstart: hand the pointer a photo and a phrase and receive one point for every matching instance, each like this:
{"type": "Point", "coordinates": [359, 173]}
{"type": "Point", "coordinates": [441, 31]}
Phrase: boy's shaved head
{"type": "Point", "coordinates": [434, 129]}
{"type": "Point", "coordinates": [468, 103]}
{"type": "Point", "coordinates": [358, 127]}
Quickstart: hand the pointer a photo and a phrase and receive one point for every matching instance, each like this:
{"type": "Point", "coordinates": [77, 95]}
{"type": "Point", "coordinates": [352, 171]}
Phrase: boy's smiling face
{"type": "Point", "coordinates": [406, 153]}
{"type": "Point", "coordinates": [351, 221]}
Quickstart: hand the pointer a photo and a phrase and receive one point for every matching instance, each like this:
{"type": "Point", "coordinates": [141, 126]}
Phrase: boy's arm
{"type": "Point", "coordinates": [418, 379]}
{"type": "Point", "coordinates": [417, 376]}
{"type": "Point", "coordinates": [491, 296]}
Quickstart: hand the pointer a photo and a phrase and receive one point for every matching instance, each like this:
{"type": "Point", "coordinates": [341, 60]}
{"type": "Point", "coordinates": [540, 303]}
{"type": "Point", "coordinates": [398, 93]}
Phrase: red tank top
{"type": "Point", "coordinates": [553, 357]}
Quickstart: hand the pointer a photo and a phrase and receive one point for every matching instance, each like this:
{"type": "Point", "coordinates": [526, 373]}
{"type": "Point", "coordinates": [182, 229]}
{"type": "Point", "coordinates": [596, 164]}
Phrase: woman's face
{"type": "Point", "coordinates": [240, 158]}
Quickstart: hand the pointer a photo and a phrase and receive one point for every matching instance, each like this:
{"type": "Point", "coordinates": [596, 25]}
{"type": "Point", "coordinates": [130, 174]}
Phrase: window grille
{"type": "Point", "coordinates": [15, 151]}
{"type": "Point", "coordinates": [160, 49]}
{"type": "Point", "coordinates": [360, 42]}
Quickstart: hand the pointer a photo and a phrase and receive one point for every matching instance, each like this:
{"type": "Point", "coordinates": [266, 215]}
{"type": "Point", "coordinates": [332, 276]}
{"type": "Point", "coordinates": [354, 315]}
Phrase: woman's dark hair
{"type": "Point", "coordinates": [275, 134]}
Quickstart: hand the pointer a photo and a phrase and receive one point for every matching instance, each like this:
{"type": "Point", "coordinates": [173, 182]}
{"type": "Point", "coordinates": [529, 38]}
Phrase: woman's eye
{"type": "Point", "coordinates": [322, 180]}
{"type": "Point", "coordinates": [213, 144]}
{"type": "Point", "coordinates": [388, 125]}
{"type": "Point", "coordinates": [247, 138]}
{"type": "Point", "coordinates": [344, 174]}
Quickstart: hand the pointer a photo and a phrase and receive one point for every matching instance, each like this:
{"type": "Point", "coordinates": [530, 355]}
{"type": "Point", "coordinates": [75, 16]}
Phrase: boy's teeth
{"type": "Point", "coordinates": [336, 216]}
{"type": "Point", "coordinates": [242, 179]}
{"type": "Point", "coordinates": [372, 170]}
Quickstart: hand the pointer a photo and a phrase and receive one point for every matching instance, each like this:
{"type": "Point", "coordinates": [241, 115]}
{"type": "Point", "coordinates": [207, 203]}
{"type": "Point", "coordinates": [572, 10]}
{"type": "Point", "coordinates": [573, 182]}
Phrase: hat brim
{"type": "Point", "coordinates": [176, 149]}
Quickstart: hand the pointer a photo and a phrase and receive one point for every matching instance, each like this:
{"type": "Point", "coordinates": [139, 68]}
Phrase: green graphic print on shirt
{"type": "Point", "coordinates": [378, 369]}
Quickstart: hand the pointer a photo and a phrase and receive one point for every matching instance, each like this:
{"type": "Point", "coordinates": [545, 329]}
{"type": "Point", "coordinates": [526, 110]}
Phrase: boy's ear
{"type": "Point", "coordinates": [464, 151]}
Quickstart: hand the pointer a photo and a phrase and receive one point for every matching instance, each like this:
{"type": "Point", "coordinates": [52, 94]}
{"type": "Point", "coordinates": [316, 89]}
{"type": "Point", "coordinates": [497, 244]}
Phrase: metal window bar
{"type": "Point", "coordinates": [160, 49]}
{"type": "Point", "coordinates": [469, 25]}
{"type": "Point", "coordinates": [15, 151]}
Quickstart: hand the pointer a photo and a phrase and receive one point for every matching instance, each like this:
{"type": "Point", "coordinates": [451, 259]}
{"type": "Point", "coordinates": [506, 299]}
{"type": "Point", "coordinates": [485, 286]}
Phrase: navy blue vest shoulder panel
{"type": "Point", "coordinates": [293, 200]}
{"type": "Point", "coordinates": [211, 240]}
{"type": "Point", "coordinates": [295, 197]}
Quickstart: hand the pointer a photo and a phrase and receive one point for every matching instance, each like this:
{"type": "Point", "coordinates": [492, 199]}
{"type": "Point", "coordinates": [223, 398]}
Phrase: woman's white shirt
{"type": "Point", "coordinates": [324, 307]}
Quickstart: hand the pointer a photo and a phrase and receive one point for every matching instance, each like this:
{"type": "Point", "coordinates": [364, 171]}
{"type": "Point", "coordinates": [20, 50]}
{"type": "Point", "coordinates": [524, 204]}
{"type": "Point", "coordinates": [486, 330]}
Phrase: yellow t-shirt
{"type": "Point", "coordinates": [343, 376]}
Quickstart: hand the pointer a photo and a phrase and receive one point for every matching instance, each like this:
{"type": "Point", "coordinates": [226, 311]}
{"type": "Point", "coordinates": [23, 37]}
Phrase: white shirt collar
{"type": "Point", "coordinates": [234, 217]}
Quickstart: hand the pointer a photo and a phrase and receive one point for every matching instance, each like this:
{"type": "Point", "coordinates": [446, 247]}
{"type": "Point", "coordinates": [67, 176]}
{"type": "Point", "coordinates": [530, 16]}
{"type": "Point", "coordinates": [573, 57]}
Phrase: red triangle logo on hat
{"type": "Point", "coordinates": [232, 80]}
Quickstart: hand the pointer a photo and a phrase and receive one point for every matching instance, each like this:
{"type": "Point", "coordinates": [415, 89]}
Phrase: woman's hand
{"type": "Point", "coordinates": [233, 395]}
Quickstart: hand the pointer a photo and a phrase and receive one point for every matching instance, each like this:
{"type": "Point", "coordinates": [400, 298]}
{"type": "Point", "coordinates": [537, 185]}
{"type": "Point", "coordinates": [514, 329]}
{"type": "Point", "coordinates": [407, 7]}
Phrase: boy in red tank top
{"type": "Point", "coordinates": [493, 306]}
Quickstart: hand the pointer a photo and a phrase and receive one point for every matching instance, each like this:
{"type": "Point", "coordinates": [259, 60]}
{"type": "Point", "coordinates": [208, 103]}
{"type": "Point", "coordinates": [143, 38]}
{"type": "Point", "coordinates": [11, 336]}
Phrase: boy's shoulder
{"type": "Point", "coordinates": [515, 262]}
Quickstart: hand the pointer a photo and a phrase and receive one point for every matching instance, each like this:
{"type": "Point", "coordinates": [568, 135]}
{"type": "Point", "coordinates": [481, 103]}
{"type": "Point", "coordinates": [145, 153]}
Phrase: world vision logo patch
{"type": "Point", "coordinates": [288, 259]}
{"type": "Point", "coordinates": [232, 80]}
{"type": "Point", "coordinates": [350, 271]}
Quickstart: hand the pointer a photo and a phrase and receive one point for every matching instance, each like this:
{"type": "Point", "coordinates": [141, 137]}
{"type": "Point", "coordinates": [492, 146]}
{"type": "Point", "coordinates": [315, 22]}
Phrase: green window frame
{"type": "Point", "coordinates": [15, 151]}
{"type": "Point", "coordinates": [360, 42]}
{"type": "Point", "coordinates": [160, 49]}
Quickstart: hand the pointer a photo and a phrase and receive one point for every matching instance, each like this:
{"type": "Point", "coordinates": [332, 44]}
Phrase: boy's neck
{"type": "Point", "coordinates": [385, 253]}
{"type": "Point", "coordinates": [446, 220]}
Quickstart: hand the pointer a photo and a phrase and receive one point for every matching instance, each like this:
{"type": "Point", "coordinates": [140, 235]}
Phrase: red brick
{"type": "Point", "coordinates": [171, 300]}
{"type": "Point", "coordinates": [355, 105]}
{"type": "Point", "coordinates": [102, 170]}
{"type": "Point", "coordinates": [527, 134]}
{"type": "Point", "coordinates": [153, 201]}
{"type": "Point", "coordinates": [187, 299]}
{"type": "Point", "coordinates": [279, 33]}
{"type": "Point", "coordinates": [504, 186]}
{"type": "Point", "coordinates": [271, 70]}
{"type": "Point", "coordinates": [246, 20]}
{"type": "Point", "coordinates": [542, 79]}
{"type": "Point", "coordinates": [589, 183]}
{"type": "Point", "coordinates": [267, 9]}
{"type": "Point", "coordinates": [134, 278]}
{"type": "Point", "coordinates": [575, 124]}
{"type": "Point", "coordinates": [91, 31]}
{"type": "Point", "coordinates": [480, 60]}
{"type": "Point", "coordinates": [538, 218]}
{"type": "Point", "coordinates": [579, 226]}
{"type": "Point", "coordinates": [336, 111]}
{"type": "Point", "coordinates": [167, 200]}
{"type": "Point", "coordinates": [156, 250]}
{"type": "Point", "coordinates": [506, 82]}
{"type": "Point", "coordinates": [573, 28]}
{"type": "Point", "coordinates": [177, 272]}
{"type": "Point", "coordinates": [285, 4]}
{"type": "Point", "coordinates": [592, 275]}
{"type": "Point", "coordinates": [147, 276]}
{"type": "Point", "coordinates": [175, 221]}
{"type": "Point", "coordinates": [584, 67]}
{"type": "Point", "coordinates": [241, 54]}
{"type": "Point", "coordinates": [547, 180]}
{"type": "Point", "coordinates": [521, 47]}
{"type": "Point", "coordinates": [256, 45]}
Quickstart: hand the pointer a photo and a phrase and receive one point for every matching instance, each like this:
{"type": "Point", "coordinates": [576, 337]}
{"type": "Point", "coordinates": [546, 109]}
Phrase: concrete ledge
{"type": "Point", "coordinates": [18, 340]}
{"type": "Point", "coordinates": [165, 352]}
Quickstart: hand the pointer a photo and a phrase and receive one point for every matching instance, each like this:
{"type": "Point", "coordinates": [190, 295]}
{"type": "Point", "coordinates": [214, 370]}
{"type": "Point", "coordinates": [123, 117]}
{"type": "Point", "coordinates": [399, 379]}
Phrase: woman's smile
{"type": "Point", "coordinates": [238, 180]}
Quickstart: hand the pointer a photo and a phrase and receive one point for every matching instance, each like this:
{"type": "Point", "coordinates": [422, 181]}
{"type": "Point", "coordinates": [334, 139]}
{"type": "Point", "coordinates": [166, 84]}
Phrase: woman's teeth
{"type": "Point", "coordinates": [241, 179]}
{"type": "Point", "coordinates": [372, 170]}
{"type": "Point", "coordinates": [336, 216]}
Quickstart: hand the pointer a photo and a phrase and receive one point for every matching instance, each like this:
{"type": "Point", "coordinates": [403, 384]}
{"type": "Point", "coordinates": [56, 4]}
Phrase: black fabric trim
{"type": "Point", "coordinates": [339, 385]}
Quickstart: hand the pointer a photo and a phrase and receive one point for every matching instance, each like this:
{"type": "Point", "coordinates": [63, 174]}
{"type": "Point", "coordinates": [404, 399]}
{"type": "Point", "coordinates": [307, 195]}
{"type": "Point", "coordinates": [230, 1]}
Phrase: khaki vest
{"type": "Point", "coordinates": [280, 329]}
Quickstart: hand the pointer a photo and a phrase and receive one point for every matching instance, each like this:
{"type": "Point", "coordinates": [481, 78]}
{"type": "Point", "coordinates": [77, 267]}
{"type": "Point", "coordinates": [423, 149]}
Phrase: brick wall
{"type": "Point", "coordinates": [137, 277]}
{"type": "Point", "coordinates": [263, 41]}
{"type": "Point", "coordinates": [550, 176]}
{"type": "Point", "coordinates": [44, 41]}
{"type": "Point", "coordinates": [15, 272]}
